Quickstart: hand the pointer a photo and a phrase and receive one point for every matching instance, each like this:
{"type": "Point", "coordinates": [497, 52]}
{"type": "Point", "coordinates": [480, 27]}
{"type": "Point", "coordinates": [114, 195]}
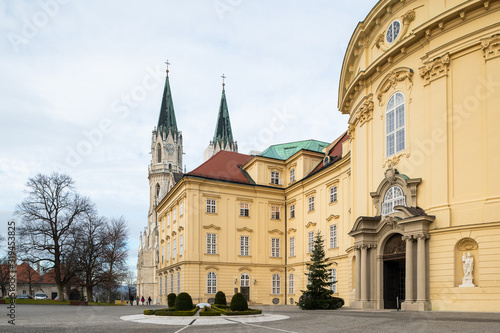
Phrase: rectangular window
{"type": "Point", "coordinates": [290, 284]}
{"type": "Point", "coordinates": [276, 284]}
{"type": "Point", "coordinates": [163, 254]}
{"type": "Point", "coordinates": [311, 242]}
{"type": "Point", "coordinates": [168, 251]}
{"type": "Point", "coordinates": [244, 209]}
{"type": "Point", "coordinates": [166, 285]}
{"type": "Point", "coordinates": [181, 245]}
{"type": "Point", "coordinates": [174, 214]}
{"type": "Point", "coordinates": [163, 224]}
{"type": "Point", "coordinates": [181, 208]}
{"type": "Point", "coordinates": [211, 206]}
{"type": "Point", "coordinates": [168, 220]}
{"type": "Point", "coordinates": [275, 177]}
{"type": "Point", "coordinates": [244, 246]}
{"type": "Point", "coordinates": [160, 287]}
{"type": "Point", "coordinates": [275, 213]}
{"type": "Point", "coordinates": [311, 203]}
{"type": "Point", "coordinates": [292, 211]}
{"type": "Point", "coordinates": [178, 283]}
{"type": "Point", "coordinates": [333, 280]}
{"type": "Point", "coordinates": [174, 249]}
{"type": "Point", "coordinates": [333, 236]}
{"type": "Point", "coordinates": [333, 194]}
{"type": "Point", "coordinates": [275, 247]}
{"type": "Point", "coordinates": [211, 243]}
{"type": "Point", "coordinates": [292, 246]}
{"type": "Point", "coordinates": [292, 175]}
{"type": "Point", "coordinates": [171, 283]}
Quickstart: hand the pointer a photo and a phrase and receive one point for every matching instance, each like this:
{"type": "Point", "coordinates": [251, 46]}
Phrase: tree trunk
{"type": "Point", "coordinates": [89, 293]}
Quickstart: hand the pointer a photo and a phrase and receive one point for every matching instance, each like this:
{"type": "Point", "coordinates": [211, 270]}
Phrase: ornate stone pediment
{"type": "Point", "coordinates": [245, 268]}
{"type": "Point", "coordinates": [211, 226]}
{"type": "Point", "coordinates": [276, 231]}
{"type": "Point", "coordinates": [244, 229]}
{"type": "Point", "coordinates": [399, 78]}
{"type": "Point", "coordinates": [310, 224]}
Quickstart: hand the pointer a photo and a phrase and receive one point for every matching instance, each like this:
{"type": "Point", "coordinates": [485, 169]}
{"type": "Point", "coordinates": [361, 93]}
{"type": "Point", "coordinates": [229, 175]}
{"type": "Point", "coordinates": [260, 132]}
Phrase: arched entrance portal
{"type": "Point", "coordinates": [394, 272]}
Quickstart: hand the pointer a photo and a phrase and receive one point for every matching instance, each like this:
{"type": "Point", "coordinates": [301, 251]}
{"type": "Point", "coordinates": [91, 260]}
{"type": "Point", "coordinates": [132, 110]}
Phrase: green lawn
{"type": "Point", "coordinates": [50, 301]}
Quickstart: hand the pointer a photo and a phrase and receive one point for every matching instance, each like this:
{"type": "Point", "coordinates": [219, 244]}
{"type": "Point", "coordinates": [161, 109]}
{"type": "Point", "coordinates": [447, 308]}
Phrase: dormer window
{"type": "Point", "coordinates": [393, 197]}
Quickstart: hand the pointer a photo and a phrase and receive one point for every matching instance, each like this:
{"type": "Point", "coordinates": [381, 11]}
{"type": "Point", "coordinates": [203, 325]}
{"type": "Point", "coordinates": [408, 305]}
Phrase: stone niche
{"type": "Point", "coordinates": [465, 245]}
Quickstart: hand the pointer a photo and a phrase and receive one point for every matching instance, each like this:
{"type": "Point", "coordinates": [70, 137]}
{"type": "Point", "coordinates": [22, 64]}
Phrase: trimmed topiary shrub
{"type": "Point", "coordinates": [220, 298]}
{"type": "Point", "coordinates": [239, 302]}
{"type": "Point", "coordinates": [184, 302]}
{"type": "Point", "coordinates": [149, 312]}
{"type": "Point", "coordinates": [171, 300]}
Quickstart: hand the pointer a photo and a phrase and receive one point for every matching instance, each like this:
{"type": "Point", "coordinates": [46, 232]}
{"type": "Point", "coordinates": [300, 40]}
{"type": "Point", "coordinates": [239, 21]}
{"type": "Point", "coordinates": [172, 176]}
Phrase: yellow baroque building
{"type": "Point", "coordinates": [407, 199]}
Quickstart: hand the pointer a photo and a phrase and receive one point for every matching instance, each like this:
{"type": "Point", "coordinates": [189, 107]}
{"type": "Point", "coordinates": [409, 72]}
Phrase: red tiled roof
{"type": "Point", "coordinates": [225, 165]}
{"type": "Point", "coordinates": [24, 272]}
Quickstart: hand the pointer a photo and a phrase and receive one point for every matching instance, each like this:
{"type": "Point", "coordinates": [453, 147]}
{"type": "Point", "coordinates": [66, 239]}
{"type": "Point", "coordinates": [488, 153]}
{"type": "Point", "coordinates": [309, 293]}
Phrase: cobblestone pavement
{"type": "Point", "coordinates": [75, 319]}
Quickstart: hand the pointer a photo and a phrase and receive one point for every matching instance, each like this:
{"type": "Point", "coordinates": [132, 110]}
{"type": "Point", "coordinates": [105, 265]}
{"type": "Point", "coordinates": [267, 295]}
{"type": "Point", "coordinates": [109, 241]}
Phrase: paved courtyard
{"type": "Point", "coordinates": [63, 318]}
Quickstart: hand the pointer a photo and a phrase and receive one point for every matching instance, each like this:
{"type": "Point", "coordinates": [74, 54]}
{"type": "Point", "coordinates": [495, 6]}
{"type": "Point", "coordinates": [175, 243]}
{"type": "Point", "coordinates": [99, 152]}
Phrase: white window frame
{"type": "Point", "coordinates": [174, 248]}
{"type": "Point", "coordinates": [292, 211]}
{"type": "Point", "coordinates": [291, 281]}
{"type": "Point", "coordinates": [275, 247]}
{"type": "Point", "coordinates": [292, 246]}
{"type": "Point", "coordinates": [245, 280]}
{"type": "Point", "coordinates": [395, 125]}
{"type": "Point", "coordinates": [310, 242]}
{"type": "Point", "coordinates": [276, 286]}
{"type": "Point", "coordinates": [160, 287]}
{"type": "Point", "coordinates": [211, 243]}
{"type": "Point", "coordinates": [211, 206]}
{"type": "Point", "coordinates": [333, 278]}
{"type": "Point", "coordinates": [244, 209]}
{"type": "Point", "coordinates": [244, 245]}
{"type": "Point", "coordinates": [333, 236]}
{"type": "Point", "coordinates": [275, 177]}
{"type": "Point", "coordinates": [275, 212]}
{"type": "Point", "coordinates": [168, 220]}
{"type": "Point", "coordinates": [171, 283]}
{"type": "Point", "coordinates": [211, 283]}
{"type": "Point", "coordinates": [166, 284]}
{"type": "Point", "coordinates": [181, 208]}
{"type": "Point", "coordinates": [333, 194]}
{"type": "Point", "coordinates": [311, 203]}
{"type": "Point", "coordinates": [168, 251]}
{"type": "Point", "coordinates": [292, 175]}
{"type": "Point", "coordinates": [391, 200]}
{"type": "Point", "coordinates": [391, 29]}
{"type": "Point", "coordinates": [163, 254]}
{"type": "Point", "coordinates": [174, 214]}
{"type": "Point", "coordinates": [181, 245]}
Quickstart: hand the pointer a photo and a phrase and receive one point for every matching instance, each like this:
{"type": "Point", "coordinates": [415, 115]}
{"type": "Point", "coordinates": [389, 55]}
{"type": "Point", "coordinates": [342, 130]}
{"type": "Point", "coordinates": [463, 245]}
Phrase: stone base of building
{"type": "Point", "coordinates": [416, 306]}
{"type": "Point", "coordinates": [363, 305]}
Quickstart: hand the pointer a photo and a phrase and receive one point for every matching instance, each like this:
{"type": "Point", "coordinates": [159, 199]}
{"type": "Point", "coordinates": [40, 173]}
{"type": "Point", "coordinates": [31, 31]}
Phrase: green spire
{"type": "Point", "coordinates": [167, 115]}
{"type": "Point", "coordinates": [223, 133]}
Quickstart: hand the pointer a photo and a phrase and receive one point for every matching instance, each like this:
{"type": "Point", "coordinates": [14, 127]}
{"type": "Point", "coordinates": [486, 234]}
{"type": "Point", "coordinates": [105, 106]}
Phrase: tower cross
{"type": "Point", "coordinates": [168, 64]}
{"type": "Point", "coordinates": [223, 77]}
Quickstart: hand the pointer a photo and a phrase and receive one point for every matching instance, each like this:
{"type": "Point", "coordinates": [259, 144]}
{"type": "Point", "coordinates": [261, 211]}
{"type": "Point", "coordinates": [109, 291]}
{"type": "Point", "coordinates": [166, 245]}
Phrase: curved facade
{"type": "Point", "coordinates": [421, 85]}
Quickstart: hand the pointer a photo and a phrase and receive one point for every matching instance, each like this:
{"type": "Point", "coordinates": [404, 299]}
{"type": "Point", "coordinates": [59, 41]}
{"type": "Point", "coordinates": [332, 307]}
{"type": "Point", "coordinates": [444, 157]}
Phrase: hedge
{"type": "Point", "coordinates": [171, 300]}
{"type": "Point", "coordinates": [182, 313]}
{"type": "Point", "coordinates": [244, 313]}
{"type": "Point", "coordinates": [149, 312]}
{"type": "Point", "coordinates": [207, 311]}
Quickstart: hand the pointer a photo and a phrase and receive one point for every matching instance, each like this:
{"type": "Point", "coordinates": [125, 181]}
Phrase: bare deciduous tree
{"type": "Point", "coordinates": [50, 214]}
{"type": "Point", "coordinates": [115, 253]}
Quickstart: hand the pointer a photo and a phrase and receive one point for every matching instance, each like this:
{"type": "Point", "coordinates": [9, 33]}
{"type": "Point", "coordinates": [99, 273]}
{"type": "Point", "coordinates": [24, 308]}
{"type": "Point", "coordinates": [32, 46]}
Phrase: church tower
{"type": "Point", "coordinates": [223, 137]}
{"type": "Point", "coordinates": [163, 172]}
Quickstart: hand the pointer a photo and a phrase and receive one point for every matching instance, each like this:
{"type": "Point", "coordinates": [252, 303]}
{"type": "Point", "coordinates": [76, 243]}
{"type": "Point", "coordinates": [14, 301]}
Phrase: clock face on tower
{"type": "Point", "coordinates": [170, 148]}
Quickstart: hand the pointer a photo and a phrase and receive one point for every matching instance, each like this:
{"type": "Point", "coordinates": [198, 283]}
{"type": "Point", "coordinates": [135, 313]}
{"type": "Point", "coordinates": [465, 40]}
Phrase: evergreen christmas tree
{"type": "Point", "coordinates": [319, 294]}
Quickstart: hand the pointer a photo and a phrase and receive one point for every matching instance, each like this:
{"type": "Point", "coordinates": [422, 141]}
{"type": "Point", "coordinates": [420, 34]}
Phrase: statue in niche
{"type": "Point", "coordinates": [468, 264]}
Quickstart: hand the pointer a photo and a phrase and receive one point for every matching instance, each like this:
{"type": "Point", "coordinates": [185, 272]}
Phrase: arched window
{"type": "Point", "coordinates": [276, 284]}
{"type": "Point", "coordinates": [245, 280]}
{"type": "Point", "coordinates": [158, 191]}
{"type": "Point", "coordinates": [160, 286]}
{"type": "Point", "coordinates": [171, 283]}
{"type": "Point", "coordinates": [333, 280]}
{"type": "Point", "coordinates": [290, 283]}
{"type": "Point", "coordinates": [178, 282]}
{"type": "Point", "coordinates": [211, 283]}
{"type": "Point", "coordinates": [158, 153]}
{"type": "Point", "coordinates": [395, 124]}
{"type": "Point", "coordinates": [393, 197]}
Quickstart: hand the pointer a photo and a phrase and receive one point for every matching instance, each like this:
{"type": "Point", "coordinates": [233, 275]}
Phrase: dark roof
{"type": "Point", "coordinates": [226, 166]}
{"type": "Point", "coordinates": [167, 115]}
{"type": "Point", "coordinates": [177, 176]}
{"type": "Point", "coordinates": [334, 154]}
{"type": "Point", "coordinates": [223, 133]}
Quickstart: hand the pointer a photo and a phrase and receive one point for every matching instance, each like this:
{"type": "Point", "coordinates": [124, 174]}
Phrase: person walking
{"type": "Point", "coordinates": [149, 300]}
{"type": "Point", "coordinates": [142, 300]}
{"type": "Point", "coordinates": [137, 300]}
{"type": "Point", "coordinates": [131, 300]}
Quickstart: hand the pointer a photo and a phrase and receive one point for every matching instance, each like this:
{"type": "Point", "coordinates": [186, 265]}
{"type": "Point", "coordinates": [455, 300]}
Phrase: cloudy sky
{"type": "Point", "coordinates": [82, 82]}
